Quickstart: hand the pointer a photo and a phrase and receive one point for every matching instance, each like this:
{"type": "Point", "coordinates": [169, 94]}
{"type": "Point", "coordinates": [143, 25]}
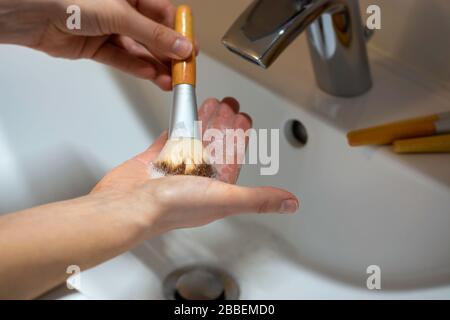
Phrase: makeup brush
{"type": "Point", "coordinates": [183, 153]}
{"type": "Point", "coordinates": [406, 129]}
{"type": "Point", "coordinates": [433, 144]}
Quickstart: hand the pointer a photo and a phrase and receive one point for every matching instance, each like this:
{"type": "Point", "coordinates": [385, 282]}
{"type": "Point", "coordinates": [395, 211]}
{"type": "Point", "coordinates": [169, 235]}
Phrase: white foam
{"type": "Point", "coordinates": [155, 173]}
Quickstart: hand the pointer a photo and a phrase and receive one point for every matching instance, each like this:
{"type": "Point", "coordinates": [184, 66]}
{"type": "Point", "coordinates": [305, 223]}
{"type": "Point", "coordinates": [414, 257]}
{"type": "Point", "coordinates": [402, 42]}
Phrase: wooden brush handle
{"type": "Point", "coordinates": [440, 143]}
{"type": "Point", "coordinates": [183, 72]}
{"type": "Point", "coordinates": [388, 133]}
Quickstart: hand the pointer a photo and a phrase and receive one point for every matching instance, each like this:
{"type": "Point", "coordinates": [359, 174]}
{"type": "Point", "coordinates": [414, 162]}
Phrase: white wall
{"type": "Point", "coordinates": [416, 33]}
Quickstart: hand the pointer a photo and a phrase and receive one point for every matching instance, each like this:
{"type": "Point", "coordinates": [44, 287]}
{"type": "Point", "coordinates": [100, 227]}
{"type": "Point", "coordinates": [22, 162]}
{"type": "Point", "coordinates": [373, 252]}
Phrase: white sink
{"type": "Point", "coordinates": [63, 124]}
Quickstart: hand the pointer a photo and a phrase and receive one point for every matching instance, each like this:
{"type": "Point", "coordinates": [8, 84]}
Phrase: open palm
{"type": "Point", "coordinates": [213, 114]}
{"type": "Point", "coordinates": [188, 201]}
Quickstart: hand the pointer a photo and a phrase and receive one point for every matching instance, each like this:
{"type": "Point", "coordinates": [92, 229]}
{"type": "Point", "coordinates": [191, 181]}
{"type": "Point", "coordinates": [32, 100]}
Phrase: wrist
{"type": "Point", "coordinates": [133, 217]}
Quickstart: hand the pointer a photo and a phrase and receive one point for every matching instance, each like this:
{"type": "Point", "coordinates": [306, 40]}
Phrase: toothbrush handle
{"type": "Point", "coordinates": [184, 71]}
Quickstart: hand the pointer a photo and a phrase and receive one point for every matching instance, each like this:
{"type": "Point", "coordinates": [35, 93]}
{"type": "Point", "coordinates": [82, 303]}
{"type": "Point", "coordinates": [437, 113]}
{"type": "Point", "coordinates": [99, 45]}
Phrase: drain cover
{"type": "Point", "coordinates": [200, 283]}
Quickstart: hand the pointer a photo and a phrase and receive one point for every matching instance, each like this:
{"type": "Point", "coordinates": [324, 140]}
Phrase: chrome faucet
{"type": "Point", "coordinates": [336, 38]}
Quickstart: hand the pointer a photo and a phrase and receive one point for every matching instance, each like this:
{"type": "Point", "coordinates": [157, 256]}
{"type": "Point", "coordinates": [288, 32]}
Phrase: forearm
{"type": "Point", "coordinates": [24, 21]}
{"type": "Point", "coordinates": [37, 245]}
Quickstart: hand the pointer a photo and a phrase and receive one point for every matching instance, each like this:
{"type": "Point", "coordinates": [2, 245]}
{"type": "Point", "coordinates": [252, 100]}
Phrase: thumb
{"type": "Point", "coordinates": [156, 37]}
{"type": "Point", "coordinates": [237, 200]}
{"type": "Point", "coordinates": [148, 155]}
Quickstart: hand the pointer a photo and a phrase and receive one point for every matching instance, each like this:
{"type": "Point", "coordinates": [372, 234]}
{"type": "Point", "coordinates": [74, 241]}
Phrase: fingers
{"type": "Point", "coordinates": [148, 23]}
{"type": "Point", "coordinates": [229, 107]}
{"type": "Point", "coordinates": [208, 108]}
{"type": "Point", "coordinates": [225, 113]}
{"type": "Point", "coordinates": [159, 142]}
{"type": "Point", "coordinates": [186, 201]}
{"type": "Point", "coordinates": [162, 11]}
{"type": "Point", "coordinates": [119, 58]}
{"type": "Point", "coordinates": [154, 36]}
{"type": "Point", "coordinates": [206, 111]}
{"type": "Point", "coordinates": [243, 121]}
{"type": "Point", "coordinates": [238, 200]}
{"type": "Point", "coordinates": [232, 103]}
{"type": "Point", "coordinates": [163, 77]}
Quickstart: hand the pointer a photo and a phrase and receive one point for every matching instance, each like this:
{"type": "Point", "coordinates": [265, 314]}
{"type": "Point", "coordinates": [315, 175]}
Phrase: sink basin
{"type": "Point", "coordinates": [63, 124]}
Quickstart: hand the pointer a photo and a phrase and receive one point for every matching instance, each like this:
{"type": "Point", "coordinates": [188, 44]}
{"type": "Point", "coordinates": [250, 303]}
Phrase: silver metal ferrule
{"type": "Point", "coordinates": [443, 123]}
{"type": "Point", "coordinates": [184, 117]}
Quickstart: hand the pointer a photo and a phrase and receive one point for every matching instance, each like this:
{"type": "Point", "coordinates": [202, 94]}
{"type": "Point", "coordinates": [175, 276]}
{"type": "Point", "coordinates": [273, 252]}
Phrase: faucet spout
{"type": "Point", "coordinates": [335, 33]}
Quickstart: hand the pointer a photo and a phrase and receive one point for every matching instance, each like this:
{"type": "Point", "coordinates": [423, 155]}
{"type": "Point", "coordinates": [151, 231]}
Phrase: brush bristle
{"type": "Point", "coordinates": [184, 156]}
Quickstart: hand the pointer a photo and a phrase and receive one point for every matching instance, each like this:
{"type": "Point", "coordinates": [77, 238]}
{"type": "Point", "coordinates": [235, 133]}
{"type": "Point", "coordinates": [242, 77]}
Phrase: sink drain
{"type": "Point", "coordinates": [200, 283]}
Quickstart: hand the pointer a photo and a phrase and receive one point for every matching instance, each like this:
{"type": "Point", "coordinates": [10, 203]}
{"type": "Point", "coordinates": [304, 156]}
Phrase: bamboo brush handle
{"type": "Point", "coordinates": [434, 144]}
{"type": "Point", "coordinates": [183, 71]}
{"type": "Point", "coordinates": [388, 133]}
